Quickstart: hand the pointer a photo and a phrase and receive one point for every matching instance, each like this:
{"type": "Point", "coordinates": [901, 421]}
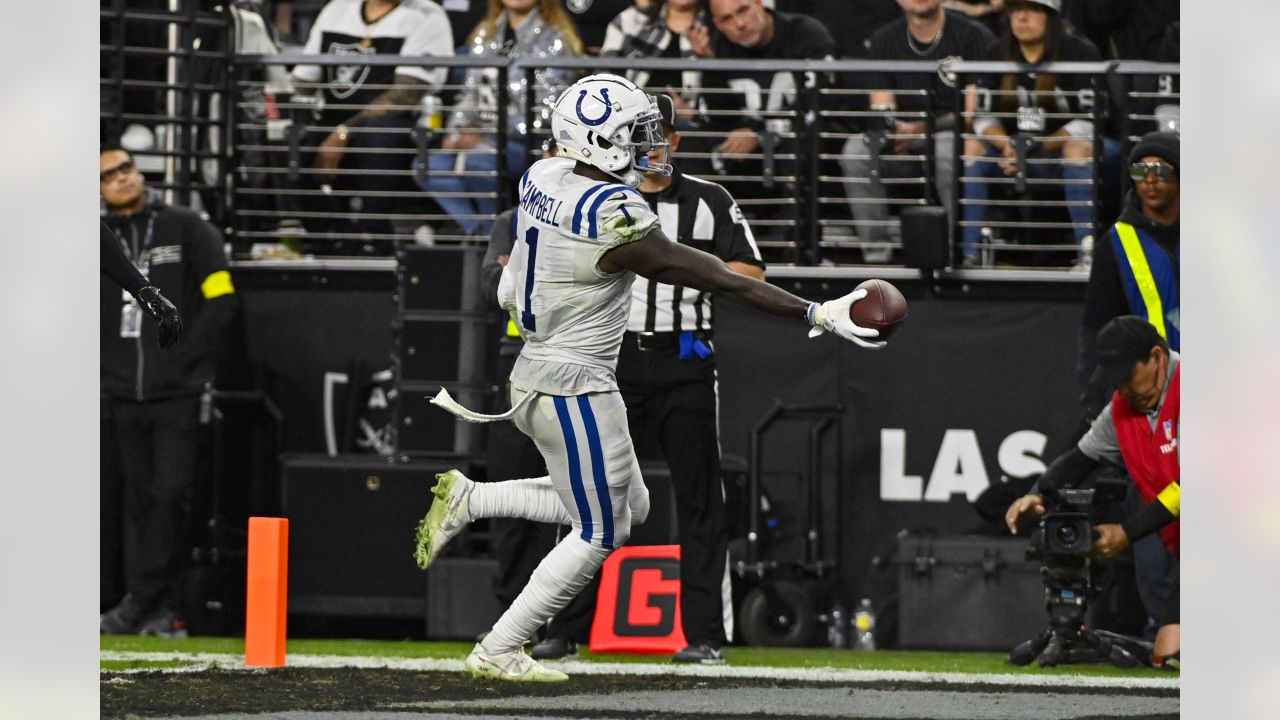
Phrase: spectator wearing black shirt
{"type": "Point", "coordinates": [593, 17]}
{"type": "Point", "coordinates": [924, 32]}
{"type": "Point", "coordinates": [988, 12]}
{"type": "Point", "coordinates": [749, 31]}
{"type": "Point", "coordinates": [850, 22]}
{"type": "Point", "coordinates": [1125, 29]}
{"type": "Point", "coordinates": [1056, 107]}
{"type": "Point", "coordinates": [753, 108]}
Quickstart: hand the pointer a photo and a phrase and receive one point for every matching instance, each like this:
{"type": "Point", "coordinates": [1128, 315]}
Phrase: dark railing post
{"type": "Point", "coordinates": [120, 40]}
{"type": "Point", "coordinates": [530, 97]}
{"type": "Point", "coordinates": [1100, 100]}
{"type": "Point", "coordinates": [228, 157]}
{"type": "Point", "coordinates": [500, 138]}
{"type": "Point", "coordinates": [957, 169]}
{"type": "Point", "coordinates": [809, 165]}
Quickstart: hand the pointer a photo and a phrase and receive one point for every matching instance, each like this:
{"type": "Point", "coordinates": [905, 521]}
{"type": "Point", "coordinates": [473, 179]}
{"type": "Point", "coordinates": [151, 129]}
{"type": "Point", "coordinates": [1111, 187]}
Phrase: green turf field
{"type": "Point", "coordinates": [888, 660]}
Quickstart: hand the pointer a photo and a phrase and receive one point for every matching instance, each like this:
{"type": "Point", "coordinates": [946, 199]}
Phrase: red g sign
{"type": "Point", "coordinates": [638, 608]}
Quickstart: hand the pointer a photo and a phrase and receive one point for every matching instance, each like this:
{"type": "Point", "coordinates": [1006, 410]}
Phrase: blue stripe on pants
{"type": "Point", "coordinates": [575, 470]}
{"type": "Point", "coordinates": [598, 469]}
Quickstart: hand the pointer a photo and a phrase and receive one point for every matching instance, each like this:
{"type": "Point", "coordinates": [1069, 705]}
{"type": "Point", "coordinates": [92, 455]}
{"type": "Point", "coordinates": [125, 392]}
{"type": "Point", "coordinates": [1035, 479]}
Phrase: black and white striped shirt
{"type": "Point", "coordinates": [700, 214]}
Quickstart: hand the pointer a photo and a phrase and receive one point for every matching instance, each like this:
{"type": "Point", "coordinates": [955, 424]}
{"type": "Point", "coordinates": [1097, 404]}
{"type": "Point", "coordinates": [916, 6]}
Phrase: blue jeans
{"type": "Point", "coordinates": [473, 212]}
{"type": "Point", "coordinates": [1080, 194]}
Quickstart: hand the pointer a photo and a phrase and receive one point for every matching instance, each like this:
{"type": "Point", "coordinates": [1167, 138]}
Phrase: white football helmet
{"type": "Point", "coordinates": [609, 123]}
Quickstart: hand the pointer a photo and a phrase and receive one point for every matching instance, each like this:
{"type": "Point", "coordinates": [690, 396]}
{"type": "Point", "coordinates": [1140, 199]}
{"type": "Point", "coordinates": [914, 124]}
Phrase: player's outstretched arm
{"type": "Point", "coordinates": [655, 257]}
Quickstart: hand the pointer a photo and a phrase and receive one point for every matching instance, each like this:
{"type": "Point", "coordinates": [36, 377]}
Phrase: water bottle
{"type": "Point", "coordinates": [864, 626]}
{"type": "Point", "coordinates": [987, 248]}
{"type": "Point", "coordinates": [431, 113]}
{"type": "Point", "coordinates": [1085, 261]}
{"type": "Point", "coordinates": [838, 630]}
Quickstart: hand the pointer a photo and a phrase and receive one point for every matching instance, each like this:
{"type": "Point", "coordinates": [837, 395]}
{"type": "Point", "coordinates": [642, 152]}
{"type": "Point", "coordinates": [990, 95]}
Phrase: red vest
{"type": "Point", "coordinates": [1151, 457]}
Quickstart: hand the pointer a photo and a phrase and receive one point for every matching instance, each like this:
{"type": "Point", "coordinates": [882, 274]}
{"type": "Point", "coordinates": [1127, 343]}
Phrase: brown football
{"type": "Point", "coordinates": [883, 308]}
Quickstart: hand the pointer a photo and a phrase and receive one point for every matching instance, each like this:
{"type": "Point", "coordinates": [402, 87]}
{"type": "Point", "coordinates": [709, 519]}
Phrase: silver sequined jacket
{"type": "Point", "coordinates": [536, 39]}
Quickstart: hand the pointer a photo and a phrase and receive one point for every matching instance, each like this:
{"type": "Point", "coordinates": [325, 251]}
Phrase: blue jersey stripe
{"type": "Point", "coordinates": [595, 206]}
{"type": "Point", "coordinates": [598, 469]}
{"type": "Point", "coordinates": [575, 470]}
{"type": "Point", "coordinates": [582, 201]}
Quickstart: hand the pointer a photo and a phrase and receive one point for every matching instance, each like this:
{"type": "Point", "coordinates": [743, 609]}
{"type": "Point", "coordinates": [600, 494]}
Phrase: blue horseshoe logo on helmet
{"type": "Point", "coordinates": [608, 108]}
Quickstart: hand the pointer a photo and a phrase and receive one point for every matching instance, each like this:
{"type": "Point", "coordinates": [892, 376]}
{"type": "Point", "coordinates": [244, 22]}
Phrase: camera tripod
{"type": "Point", "coordinates": [1067, 640]}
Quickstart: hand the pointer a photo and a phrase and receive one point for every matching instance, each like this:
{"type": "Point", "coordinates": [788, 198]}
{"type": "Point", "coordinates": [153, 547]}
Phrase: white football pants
{"type": "Point", "coordinates": [594, 486]}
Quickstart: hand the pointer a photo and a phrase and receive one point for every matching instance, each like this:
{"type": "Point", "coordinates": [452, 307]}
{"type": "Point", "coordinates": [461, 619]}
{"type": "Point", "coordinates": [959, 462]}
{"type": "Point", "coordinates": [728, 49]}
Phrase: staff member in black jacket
{"type": "Point", "coordinates": [116, 266]}
{"type": "Point", "coordinates": [153, 398]}
{"type": "Point", "coordinates": [667, 376]}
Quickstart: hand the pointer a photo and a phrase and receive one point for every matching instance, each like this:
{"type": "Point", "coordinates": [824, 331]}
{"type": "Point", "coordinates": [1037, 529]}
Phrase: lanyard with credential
{"type": "Point", "coordinates": [141, 259]}
{"type": "Point", "coordinates": [130, 313]}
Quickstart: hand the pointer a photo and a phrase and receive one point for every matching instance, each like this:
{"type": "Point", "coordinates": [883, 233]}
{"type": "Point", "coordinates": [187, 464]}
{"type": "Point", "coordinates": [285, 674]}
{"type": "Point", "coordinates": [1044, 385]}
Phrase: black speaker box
{"type": "Point", "coordinates": [423, 427]}
{"type": "Point", "coordinates": [432, 278]}
{"type": "Point", "coordinates": [429, 350]}
{"type": "Point", "coordinates": [967, 592]}
{"type": "Point", "coordinates": [924, 237]}
{"type": "Point", "coordinates": [351, 533]}
{"type": "Point", "coordinates": [462, 604]}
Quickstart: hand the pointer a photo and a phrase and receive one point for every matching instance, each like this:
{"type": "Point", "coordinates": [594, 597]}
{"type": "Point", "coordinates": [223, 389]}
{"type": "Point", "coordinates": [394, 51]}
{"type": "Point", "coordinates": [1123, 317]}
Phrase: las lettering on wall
{"type": "Point", "coordinates": [958, 466]}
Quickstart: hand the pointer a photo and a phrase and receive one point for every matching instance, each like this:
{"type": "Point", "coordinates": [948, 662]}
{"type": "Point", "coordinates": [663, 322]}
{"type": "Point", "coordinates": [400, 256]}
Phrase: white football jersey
{"type": "Point", "coordinates": [570, 313]}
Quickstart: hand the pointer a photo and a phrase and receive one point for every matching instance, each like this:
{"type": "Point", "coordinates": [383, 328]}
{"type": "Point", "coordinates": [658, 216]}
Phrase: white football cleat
{"type": "Point", "coordinates": [449, 513]}
{"type": "Point", "coordinates": [512, 666]}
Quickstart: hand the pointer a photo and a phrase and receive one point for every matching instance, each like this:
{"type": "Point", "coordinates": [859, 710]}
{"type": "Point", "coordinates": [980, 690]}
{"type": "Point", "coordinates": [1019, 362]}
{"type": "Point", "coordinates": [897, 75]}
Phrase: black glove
{"type": "Point", "coordinates": [168, 321]}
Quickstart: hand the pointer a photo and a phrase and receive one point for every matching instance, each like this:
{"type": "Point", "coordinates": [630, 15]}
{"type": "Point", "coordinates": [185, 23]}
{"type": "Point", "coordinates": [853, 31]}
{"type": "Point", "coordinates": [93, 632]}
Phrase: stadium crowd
{"type": "Point", "coordinates": [383, 153]}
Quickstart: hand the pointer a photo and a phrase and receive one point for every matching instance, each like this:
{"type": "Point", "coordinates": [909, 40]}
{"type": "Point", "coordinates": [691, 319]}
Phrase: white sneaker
{"type": "Point", "coordinates": [514, 666]}
{"type": "Point", "coordinates": [449, 513]}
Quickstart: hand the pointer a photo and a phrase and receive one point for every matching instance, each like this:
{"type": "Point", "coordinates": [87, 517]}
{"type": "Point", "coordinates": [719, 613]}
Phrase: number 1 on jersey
{"type": "Point", "coordinates": [527, 318]}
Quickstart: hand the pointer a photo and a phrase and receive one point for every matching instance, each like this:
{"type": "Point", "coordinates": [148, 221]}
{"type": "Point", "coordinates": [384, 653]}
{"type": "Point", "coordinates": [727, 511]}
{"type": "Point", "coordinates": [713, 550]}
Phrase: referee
{"type": "Point", "coordinates": [667, 377]}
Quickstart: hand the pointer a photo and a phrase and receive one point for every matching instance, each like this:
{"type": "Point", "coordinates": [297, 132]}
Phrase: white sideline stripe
{"type": "Point", "coordinates": [204, 661]}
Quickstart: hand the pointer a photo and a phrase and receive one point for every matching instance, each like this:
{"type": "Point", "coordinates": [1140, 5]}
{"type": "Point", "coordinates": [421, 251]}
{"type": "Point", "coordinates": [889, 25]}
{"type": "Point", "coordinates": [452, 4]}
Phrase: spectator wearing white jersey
{"type": "Point", "coordinates": [667, 375]}
{"type": "Point", "coordinates": [368, 110]}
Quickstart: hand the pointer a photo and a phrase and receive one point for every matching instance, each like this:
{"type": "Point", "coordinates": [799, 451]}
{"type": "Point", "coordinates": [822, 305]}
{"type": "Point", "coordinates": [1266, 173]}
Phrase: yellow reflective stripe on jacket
{"type": "Point", "coordinates": [1171, 498]}
{"type": "Point", "coordinates": [217, 284]}
{"type": "Point", "coordinates": [1142, 274]}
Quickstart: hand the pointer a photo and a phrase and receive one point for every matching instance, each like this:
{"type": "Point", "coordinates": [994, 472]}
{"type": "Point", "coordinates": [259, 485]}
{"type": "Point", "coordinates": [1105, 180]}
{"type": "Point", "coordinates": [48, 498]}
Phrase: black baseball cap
{"type": "Point", "coordinates": [667, 110]}
{"type": "Point", "coordinates": [1122, 342]}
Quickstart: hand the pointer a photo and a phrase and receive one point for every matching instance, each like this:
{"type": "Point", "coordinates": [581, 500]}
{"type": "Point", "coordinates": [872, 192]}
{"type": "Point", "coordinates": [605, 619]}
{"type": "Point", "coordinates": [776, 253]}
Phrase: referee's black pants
{"type": "Point", "coordinates": [157, 442]}
{"type": "Point", "coordinates": [672, 413]}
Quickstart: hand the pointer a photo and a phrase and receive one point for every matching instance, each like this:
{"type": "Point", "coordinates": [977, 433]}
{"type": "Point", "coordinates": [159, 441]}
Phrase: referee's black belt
{"type": "Point", "coordinates": [647, 341]}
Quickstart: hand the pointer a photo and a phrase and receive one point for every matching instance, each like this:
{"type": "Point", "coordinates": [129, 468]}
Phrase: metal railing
{"type": "Point", "coordinates": [162, 83]}
{"type": "Point", "coordinates": [793, 186]}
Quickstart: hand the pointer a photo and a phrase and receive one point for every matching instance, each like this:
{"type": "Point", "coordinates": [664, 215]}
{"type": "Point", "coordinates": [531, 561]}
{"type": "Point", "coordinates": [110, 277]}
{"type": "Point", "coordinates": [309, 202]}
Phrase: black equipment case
{"type": "Point", "coordinates": [967, 592]}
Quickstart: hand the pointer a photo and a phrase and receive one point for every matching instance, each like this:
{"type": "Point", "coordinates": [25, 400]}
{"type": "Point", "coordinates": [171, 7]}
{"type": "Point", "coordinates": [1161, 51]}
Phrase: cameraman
{"type": "Point", "coordinates": [1138, 429]}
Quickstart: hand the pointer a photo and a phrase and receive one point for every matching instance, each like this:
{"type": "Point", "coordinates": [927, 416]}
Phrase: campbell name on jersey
{"type": "Point", "coordinates": [571, 314]}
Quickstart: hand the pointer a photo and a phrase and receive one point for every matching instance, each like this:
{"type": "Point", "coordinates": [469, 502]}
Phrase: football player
{"type": "Point", "coordinates": [582, 234]}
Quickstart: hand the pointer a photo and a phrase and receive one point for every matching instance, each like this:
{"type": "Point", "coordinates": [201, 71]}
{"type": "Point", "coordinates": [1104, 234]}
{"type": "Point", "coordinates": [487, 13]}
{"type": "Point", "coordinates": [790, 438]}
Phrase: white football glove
{"type": "Point", "coordinates": [833, 315]}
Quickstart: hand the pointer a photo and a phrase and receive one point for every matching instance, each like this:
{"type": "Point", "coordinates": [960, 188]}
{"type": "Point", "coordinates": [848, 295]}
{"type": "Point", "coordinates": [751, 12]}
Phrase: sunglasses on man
{"type": "Point", "coordinates": [112, 173]}
{"type": "Point", "coordinates": [1163, 171]}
